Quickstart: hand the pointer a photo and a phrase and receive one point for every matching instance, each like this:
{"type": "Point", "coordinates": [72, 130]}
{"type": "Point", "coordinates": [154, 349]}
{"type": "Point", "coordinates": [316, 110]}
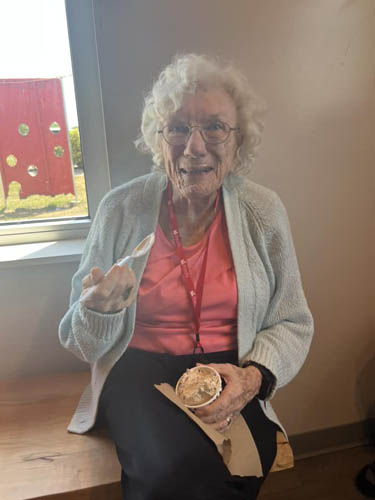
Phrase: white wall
{"type": "Point", "coordinates": [32, 301]}
{"type": "Point", "coordinates": [313, 62]}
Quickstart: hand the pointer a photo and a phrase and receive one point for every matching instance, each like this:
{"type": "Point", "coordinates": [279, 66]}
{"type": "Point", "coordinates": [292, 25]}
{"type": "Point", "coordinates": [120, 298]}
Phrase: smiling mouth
{"type": "Point", "coordinates": [196, 171]}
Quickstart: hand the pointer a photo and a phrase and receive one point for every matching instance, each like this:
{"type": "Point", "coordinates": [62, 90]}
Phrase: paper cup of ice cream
{"type": "Point", "coordinates": [199, 386]}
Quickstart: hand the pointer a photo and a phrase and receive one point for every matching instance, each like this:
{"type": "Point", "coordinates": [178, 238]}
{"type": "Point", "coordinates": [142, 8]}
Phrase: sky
{"type": "Point", "coordinates": [34, 43]}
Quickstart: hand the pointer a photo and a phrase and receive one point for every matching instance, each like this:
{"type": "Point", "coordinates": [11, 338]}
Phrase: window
{"type": "Point", "coordinates": [53, 160]}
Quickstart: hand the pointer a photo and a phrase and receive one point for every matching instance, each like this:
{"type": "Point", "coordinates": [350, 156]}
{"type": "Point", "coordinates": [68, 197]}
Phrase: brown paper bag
{"type": "Point", "coordinates": [284, 456]}
{"type": "Point", "coordinates": [236, 445]}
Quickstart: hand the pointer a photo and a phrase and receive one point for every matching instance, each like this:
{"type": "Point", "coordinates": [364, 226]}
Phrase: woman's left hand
{"type": "Point", "coordinates": [242, 385]}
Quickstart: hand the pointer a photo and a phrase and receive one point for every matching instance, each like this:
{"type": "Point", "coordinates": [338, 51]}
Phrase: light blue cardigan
{"type": "Point", "coordinates": [274, 326]}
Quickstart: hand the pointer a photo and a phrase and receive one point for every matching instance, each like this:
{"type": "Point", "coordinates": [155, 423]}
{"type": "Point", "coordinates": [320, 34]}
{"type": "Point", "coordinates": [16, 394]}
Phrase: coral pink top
{"type": "Point", "coordinates": [164, 319]}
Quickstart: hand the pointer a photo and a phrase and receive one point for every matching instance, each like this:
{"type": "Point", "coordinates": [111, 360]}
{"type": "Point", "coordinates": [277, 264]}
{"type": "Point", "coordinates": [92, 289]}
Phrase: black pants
{"type": "Point", "coordinates": [163, 454]}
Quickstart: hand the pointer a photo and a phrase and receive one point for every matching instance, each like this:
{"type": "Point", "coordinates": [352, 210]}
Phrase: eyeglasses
{"type": "Point", "coordinates": [215, 132]}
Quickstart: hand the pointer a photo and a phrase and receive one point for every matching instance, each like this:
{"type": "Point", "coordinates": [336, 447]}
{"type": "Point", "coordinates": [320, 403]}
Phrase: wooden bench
{"type": "Point", "coordinates": [40, 459]}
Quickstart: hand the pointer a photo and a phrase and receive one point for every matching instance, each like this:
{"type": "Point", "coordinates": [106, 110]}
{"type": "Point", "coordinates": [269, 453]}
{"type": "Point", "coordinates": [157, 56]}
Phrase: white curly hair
{"type": "Point", "coordinates": [183, 77]}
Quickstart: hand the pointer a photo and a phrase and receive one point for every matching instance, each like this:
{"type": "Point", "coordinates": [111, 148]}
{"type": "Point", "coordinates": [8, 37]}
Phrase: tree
{"type": "Point", "coordinates": [75, 144]}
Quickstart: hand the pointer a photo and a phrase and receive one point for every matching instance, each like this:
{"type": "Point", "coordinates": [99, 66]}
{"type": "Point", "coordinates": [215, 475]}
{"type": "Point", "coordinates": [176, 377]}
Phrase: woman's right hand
{"type": "Point", "coordinates": [108, 293]}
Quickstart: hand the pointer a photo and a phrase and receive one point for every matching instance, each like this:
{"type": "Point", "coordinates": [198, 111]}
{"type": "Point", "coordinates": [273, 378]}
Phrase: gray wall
{"type": "Point", "coordinates": [312, 60]}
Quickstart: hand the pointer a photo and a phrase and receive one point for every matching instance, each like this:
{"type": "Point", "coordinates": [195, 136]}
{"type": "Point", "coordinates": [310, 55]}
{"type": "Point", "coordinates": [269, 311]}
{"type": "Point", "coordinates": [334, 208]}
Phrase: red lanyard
{"type": "Point", "coordinates": [195, 293]}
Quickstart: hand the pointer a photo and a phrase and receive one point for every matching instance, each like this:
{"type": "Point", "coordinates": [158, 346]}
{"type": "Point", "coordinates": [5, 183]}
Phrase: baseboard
{"type": "Point", "coordinates": [334, 438]}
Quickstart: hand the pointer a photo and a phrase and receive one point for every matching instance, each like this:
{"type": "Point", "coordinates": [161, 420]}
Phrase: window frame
{"type": "Point", "coordinates": [87, 84]}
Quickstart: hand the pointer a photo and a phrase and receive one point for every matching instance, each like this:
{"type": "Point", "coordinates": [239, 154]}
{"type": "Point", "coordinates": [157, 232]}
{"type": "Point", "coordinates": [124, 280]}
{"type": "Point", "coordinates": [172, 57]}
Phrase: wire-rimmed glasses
{"type": "Point", "coordinates": [215, 132]}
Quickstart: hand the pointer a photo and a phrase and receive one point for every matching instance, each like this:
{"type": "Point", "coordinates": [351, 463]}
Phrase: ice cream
{"type": "Point", "coordinates": [199, 386]}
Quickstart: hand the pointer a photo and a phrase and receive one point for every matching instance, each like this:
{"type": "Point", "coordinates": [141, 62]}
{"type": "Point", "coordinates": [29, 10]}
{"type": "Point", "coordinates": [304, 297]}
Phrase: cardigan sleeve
{"type": "Point", "coordinates": [282, 343]}
{"type": "Point", "coordinates": [89, 334]}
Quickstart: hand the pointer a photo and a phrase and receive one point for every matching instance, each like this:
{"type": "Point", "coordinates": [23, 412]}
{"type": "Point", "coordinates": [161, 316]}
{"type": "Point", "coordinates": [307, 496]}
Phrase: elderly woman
{"type": "Point", "coordinates": [220, 286]}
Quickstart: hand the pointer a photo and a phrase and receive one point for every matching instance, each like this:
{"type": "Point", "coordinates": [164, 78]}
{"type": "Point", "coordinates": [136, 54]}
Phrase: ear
{"type": "Point", "coordinates": [240, 138]}
{"type": "Point", "coordinates": [238, 155]}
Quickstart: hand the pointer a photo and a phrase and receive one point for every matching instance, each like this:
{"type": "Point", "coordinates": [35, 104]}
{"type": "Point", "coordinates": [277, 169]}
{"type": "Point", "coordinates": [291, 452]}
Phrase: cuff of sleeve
{"type": "Point", "coordinates": [100, 325]}
{"type": "Point", "coordinates": [265, 355]}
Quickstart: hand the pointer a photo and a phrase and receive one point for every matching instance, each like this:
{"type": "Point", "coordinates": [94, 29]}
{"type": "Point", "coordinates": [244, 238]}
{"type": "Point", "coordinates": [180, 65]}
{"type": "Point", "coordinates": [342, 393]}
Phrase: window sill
{"type": "Point", "coordinates": [49, 252]}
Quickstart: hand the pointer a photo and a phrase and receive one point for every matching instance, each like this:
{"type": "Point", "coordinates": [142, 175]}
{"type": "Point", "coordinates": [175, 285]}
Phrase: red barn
{"type": "Point", "coordinates": [34, 148]}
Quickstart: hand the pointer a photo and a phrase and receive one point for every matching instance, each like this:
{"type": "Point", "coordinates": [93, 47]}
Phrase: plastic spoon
{"type": "Point", "coordinates": [141, 249]}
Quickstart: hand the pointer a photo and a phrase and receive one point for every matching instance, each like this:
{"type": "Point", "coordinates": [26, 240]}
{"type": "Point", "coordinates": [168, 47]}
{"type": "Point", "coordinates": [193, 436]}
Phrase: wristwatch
{"type": "Point", "coordinates": [268, 379]}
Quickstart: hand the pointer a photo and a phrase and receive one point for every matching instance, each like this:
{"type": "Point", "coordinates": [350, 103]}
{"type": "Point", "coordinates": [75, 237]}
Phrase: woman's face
{"type": "Point", "coordinates": [197, 169]}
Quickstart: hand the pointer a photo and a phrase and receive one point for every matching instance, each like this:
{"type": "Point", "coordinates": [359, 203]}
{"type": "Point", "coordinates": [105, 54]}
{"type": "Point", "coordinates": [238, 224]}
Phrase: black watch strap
{"type": "Point", "coordinates": [268, 379]}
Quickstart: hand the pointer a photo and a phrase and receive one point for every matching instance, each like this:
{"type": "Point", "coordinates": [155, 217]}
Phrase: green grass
{"type": "Point", "coordinates": [44, 207]}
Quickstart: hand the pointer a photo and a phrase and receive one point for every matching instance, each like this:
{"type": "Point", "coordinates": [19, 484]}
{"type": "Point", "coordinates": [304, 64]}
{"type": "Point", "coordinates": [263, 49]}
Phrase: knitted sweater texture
{"type": "Point", "coordinates": [274, 324]}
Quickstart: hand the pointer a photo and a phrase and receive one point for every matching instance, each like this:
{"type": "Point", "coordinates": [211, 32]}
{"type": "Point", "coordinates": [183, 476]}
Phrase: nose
{"type": "Point", "coordinates": [195, 146]}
